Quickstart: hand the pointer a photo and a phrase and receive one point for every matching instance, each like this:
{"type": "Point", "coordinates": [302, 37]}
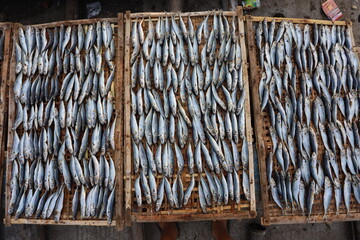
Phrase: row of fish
{"type": "Point", "coordinates": [64, 130]}
{"type": "Point", "coordinates": [323, 112]}
{"type": "Point", "coordinates": [76, 48]}
{"type": "Point", "coordinates": [98, 203]}
{"type": "Point", "coordinates": [211, 192]}
{"type": "Point", "coordinates": [180, 76]}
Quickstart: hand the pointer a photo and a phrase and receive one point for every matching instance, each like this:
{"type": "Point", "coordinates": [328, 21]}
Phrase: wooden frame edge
{"type": "Point", "coordinates": [248, 117]}
{"type": "Point", "coordinates": [258, 131]}
{"type": "Point", "coordinates": [127, 134]}
{"type": "Point", "coordinates": [119, 123]}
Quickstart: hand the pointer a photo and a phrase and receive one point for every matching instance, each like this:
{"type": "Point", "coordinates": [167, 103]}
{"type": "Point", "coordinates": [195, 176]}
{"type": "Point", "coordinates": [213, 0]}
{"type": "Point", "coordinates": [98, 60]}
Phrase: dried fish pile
{"type": "Point", "coordinates": [310, 88]}
{"type": "Point", "coordinates": [188, 114]}
{"type": "Point", "coordinates": [64, 126]}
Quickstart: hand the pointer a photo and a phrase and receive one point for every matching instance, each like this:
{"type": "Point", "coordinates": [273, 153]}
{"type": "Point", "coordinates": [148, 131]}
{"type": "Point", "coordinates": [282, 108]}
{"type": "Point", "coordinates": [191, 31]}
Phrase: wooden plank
{"type": "Point", "coordinates": [350, 27]}
{"type": "Point", "coordinates": [73, 22]}
{"type": "Point", "coordinates": [188, 210]}
{"type": "Point", "coordinates": [119, 123]}
{"type": "Point", "coordinates": [255, 105]}
{"type": "Point", "coordinates": [249, 129]}
{"type": "Point", "coordinates": [89, 222]}
{"type": "Point", "coordinates": [298, 20]}
{"type": "Point", "coordinates": [191, 217]}
{"type": "Point", "coordinates": [176, 14]}
{"type": "Point", "coordinates": [127, 134]}
{"type": "Point", "coordinates": [314, 219]}
{"type": "Point", "coordinates": [3, 94]}
{"type": "Point", "coordinates": [11, 118]}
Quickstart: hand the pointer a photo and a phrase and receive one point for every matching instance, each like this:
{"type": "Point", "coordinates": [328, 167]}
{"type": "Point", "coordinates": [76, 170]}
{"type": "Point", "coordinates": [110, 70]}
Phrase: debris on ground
{"type": "Point", "coordinates": [331, 10]}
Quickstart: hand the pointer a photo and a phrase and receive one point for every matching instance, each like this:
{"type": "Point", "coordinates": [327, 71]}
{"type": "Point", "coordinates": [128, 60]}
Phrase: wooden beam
{"type": "Point", "coordinates": [146, 15]}
{"type": "Point", "coordinates": [248, 116]}
{"type": "Point", "coordinates": [297, 20]}
{"type": "Point", "coordinates": [127, 136]}
{"type": "Point", "coordinates": [72, 22]}
{"type": "Point", "coordinates": [258, 128]}
{"type": "Point", "coordinates": [119, 97]}
{"type": "Point", "coordinates": [190, 217]}
{"type": "Point", "coordinates": [313, 219]}
{"type": "Point", "coordinates": [87, 222]}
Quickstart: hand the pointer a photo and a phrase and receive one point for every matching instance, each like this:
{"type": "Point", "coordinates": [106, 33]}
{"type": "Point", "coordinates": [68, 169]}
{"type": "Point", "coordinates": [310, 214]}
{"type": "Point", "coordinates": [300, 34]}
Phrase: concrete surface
{"type": "Point", "coordinates": [31, 12]}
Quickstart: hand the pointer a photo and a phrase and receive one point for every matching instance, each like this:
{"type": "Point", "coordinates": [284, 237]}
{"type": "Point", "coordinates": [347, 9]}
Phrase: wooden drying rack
{"type": "Point", "coordinates": [147, 214]}
{"type": "Point", "coordinates": [117, 89]}
{"type": "Point", "coordinates": [271, 213]}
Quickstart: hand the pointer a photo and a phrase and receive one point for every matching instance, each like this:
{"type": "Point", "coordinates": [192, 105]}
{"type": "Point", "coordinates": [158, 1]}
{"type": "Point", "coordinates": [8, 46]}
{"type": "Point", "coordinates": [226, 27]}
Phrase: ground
{"type": "Point", "coordinates": [31, 12]}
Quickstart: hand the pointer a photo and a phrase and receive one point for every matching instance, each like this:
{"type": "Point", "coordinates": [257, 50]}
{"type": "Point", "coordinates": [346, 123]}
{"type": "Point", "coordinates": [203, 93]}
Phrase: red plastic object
{"type": "Point", "coordinates": [332, 10]}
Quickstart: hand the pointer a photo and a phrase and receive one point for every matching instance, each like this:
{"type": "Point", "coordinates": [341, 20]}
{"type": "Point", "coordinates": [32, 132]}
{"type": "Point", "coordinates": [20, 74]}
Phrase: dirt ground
{"type": "Point", "coordinates": [31, 12]}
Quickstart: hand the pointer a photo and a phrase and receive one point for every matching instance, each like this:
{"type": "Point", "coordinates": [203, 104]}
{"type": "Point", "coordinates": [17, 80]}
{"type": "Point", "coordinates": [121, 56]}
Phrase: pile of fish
{"type": "Point", "coordinates": [188, 114]}
{"type": "Point", "coordinates": [64, 126]}
{"type": "Point", "coordinates": [310, 89]}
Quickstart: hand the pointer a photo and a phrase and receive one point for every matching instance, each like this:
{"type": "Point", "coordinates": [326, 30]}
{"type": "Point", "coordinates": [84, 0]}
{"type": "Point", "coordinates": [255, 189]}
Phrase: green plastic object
{"type": "Point", "coordinates": [250, 4]}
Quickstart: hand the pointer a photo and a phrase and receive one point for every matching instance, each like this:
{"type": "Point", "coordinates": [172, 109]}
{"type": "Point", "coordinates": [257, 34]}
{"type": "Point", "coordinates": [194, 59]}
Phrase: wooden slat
{"type": "Point", "coordinates": [249, 129]}
{"type": "Point", "coordinates": [176, 14]}
{"type": "Point", "coordinates": [349, 25]}
{"type": "Point", "coordinates": [297, 20]}
{"type": "Point", "coordinates": [313, 219]}
{"type": "Point", "coordinates": [255, 105]}
{"type": "Point", "coordinates": [7, 27]}
{"type": "Point", "coordinates": [62, 222]}
{"type": "Point", "coordinates": [119, 96]}
{"type": "Point", "coordinates": [191, 217]}
{"type": "Point", "coordinates": [73, 22]}
{"type": "Point", "coordinates": [127, 136]}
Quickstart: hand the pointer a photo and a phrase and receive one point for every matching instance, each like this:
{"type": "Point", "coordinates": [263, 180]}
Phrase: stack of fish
{"type": "Point", "coordinates": [310, 88]}
{"type": "Point", "coordinates": [188, 79]}
{"type": "Point", "coordinates": [64, 126]}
